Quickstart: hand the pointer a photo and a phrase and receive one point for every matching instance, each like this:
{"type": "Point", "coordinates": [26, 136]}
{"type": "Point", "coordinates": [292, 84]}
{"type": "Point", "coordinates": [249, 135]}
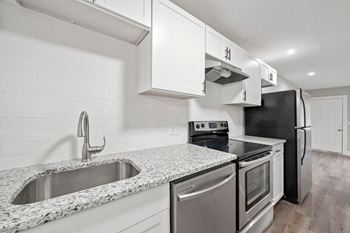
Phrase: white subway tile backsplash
{"type": "Point", "coordinates": [10, 149]}
{"type": "Point", "coordinates": [19, 99]}
{"type": "Point", "coordinates": [9, 136]}
{"type": "Point", "coordinates": [50, 71]}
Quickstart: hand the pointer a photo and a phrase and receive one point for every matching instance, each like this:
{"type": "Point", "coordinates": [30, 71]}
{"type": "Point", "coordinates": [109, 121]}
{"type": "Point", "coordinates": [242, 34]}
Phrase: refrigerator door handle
{"type": "Point", "coordinates": [304, 152]}
{"type": "Point", "coordinates": [304, 107]}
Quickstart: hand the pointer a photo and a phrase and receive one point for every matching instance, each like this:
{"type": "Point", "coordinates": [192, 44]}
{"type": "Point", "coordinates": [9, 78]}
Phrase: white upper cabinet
{"type": "Point", "coordinates": [128, 21]}
{"type": "Point", "coordinates": [221, 48]}
{"type": "Point", "coordinates": [172, 58]}
{"type": "Point", "coordinates": [215, 44]}
{"type": "Point", "coordinates": [137, 10]}
{"type": "Point", "coordinates": [268, 75]}
{"type": "Point", "coordinates": [248, 92]}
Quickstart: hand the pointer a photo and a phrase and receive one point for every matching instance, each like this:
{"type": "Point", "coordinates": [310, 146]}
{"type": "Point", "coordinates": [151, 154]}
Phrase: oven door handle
{"type": "Point", "coordinates": [257, 161]}
{"type": "Point", "coordinates": [189, 196]}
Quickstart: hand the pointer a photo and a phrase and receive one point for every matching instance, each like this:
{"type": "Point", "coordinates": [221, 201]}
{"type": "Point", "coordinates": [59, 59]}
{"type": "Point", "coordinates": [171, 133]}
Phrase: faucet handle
{"type": "Point", "coordinates": [97, 149]}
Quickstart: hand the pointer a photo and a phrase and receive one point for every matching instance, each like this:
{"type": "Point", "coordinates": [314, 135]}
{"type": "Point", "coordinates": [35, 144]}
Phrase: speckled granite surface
{"type": "Point", "coordinates": [157, 166]}
{"type": "Point", "coordinates": [261, 140]}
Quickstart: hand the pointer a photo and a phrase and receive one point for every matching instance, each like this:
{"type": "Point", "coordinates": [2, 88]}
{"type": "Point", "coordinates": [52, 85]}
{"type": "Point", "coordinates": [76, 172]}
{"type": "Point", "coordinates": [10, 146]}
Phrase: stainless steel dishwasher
{"type": "Point", "coordinates": [205, 203]}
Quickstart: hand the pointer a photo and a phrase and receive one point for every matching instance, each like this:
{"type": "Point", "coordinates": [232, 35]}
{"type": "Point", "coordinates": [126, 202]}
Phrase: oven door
{"type": "Point", "coordinates": [255, 186]}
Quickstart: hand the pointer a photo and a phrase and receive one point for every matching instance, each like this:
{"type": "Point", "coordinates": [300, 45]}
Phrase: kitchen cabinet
{"type": "Point", "coordinates": [268, 75]}
{"type": "Point", "coordinates": [137, 10]}
{"type": "Point", "coordinates": [128, 21]}
{"type": "Point", "coordinates": [247, 92]}
{"type": "Point", "coordinates": [147, 211]}
{"type": "Point", "coordinates": [172, 57]}
{"type": "Point", "coordinates": [158, 223]}
{"type": "Point", "coordinates": [221, 48]}
{"type": "Point", "coordinates": [278, 173]}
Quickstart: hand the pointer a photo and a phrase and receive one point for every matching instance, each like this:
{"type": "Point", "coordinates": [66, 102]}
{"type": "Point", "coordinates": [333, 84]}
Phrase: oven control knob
{"type": "Point", "coordinates": [197, 126]}
{"type": "Point", "coordinates": [222, 124]}
{"type": "Point", "coordinates": [202, 125]}
{"type": "Point", "coordinates": [225, 125]}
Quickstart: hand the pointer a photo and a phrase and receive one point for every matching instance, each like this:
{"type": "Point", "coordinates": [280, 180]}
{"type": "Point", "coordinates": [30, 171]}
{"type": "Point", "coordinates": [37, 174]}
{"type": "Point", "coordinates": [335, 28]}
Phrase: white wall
{"type": "Point", "coordinates": [50, 71]}
{"type": "Point", "coordinates": [282, 85]}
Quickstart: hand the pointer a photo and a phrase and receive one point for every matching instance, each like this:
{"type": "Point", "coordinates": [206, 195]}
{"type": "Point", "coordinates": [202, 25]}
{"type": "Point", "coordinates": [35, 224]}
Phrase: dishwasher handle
{"type": "Point", "coordinates": [189, 196]}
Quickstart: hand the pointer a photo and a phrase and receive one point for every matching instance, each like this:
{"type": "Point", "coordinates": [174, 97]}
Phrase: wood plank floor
{"type": "Point", "coordinates": [327, 208]}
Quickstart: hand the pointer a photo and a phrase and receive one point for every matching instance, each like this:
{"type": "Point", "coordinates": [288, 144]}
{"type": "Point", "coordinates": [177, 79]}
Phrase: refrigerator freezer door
{"type": "Point", "coordinates": [304, 163]}
{"type": "Point", "coordinates": [303, 101]}
{"type": "Point", "coordinates": [307, 101]}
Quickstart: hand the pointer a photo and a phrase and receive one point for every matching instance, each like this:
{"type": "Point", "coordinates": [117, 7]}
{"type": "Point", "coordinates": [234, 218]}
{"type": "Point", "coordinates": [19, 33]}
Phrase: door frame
{"type": "Point", "coordinates": [345, 118]}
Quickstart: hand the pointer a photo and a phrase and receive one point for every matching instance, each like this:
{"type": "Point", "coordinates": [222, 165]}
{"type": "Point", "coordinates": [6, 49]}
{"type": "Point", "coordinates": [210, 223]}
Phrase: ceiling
{"type": "Point", "coordinates": [318, 31]}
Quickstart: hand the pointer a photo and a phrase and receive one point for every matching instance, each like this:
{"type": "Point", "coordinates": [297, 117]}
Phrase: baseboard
{"type": "Point", "coordinates": [347, 153]}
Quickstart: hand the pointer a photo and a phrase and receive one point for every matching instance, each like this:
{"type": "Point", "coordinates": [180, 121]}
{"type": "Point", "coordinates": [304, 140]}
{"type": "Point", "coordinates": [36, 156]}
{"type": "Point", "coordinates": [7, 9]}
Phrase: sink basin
{"type": "Point", "coordinates": [62, 183]}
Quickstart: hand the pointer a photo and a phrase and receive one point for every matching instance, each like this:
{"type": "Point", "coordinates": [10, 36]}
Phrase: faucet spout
{"type": "Point", "coordinates": [83, 131]}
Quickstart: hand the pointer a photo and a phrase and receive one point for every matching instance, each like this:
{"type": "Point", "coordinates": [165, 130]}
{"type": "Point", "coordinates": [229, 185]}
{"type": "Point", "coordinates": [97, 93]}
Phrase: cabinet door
{"type": "Point", "coordinates": [252, 85]}
{"type": "Point", "coordinates": [156, 224]}
{"type": "Point", "coordinates": [178, 51]}
{"type": "Point", "coordinates": [235, 53]}
{"type": "Point", "coordinates": [278, 177]}
{"type": "Point", "coordinates": [137, 10]}
{"type": "Point", "coordinates": [216, 44]}
{"type": "Point", "coordinates": [273, 76]}
{"type": "Point", "coordinates": [264, 71]}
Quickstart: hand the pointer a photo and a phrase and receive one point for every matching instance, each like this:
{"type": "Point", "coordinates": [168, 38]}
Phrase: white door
{"type": "Point", "coordinates": [178, 50]}
{"type": "Point", "coordinates": [327, 124]}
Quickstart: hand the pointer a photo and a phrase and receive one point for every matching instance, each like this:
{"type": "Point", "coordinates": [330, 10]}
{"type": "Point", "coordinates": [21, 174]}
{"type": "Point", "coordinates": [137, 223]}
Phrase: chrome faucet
{"type": "Point", "coordinates": [83, 131]}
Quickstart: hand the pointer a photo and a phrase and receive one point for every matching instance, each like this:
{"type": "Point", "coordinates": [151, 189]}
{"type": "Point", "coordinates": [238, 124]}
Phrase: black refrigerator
{"type": "Point", "coordinates": [286, 115]}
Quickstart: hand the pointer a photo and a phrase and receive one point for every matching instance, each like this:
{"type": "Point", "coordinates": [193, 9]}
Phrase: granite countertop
{"type": "Point", "coordinates": [157, 166]}
{"type": "Point", "coordinates": [261, 140]}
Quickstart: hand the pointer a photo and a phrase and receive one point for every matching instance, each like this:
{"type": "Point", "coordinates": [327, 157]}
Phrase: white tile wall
{"type": "Point", "coordinates": [50, 71]}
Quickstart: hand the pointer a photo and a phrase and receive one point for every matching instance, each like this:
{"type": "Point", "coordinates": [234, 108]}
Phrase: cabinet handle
{"type": "Point", "coordinates": [278, 151]}
{"type": "Point", "coordinates": [204, 87]}
{"type": "Point", "coordinates": [245, 95]}
{"type": "Point", "coordinates": [229, 54]}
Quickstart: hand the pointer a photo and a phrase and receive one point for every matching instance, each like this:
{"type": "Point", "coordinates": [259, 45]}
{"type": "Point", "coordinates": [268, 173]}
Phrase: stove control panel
{"type": "Point", "coordinates": [210, 125]}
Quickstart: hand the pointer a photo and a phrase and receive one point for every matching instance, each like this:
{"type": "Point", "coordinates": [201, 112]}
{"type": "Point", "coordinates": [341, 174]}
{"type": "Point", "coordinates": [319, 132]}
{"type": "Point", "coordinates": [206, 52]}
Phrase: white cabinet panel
{"type": "Point", "coordinates": [278, 173]}
{"type": "Point", "coordinates": [146, 211]}
{"type": "Point", "coordinates": [252, 85]}
{"type": "Point", "coordinates": [221, 48]}
{"type": "Point", "coordinates": [268, 75]}
{"type": "Point", "coordinates": [215, 44]}
{"type": "Point", "coordinates": [176, 53]}
{"type": "Point", "coordinates": [137, 10]}
{"type": "Point", "coordinates": [178, 50]}
{"type": "Point", "coordinates": [247, 92]}
{"type": "Point", "coordinates": [159, 223]}
{"type": "Point", "coordinates": [235, 55]}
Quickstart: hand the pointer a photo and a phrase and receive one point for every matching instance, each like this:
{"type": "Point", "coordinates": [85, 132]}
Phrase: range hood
{"type": "Point", "coordinates": [222, 73]}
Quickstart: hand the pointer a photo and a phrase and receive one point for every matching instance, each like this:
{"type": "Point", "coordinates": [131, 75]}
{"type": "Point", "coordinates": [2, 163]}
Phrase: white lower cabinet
{"type": "Point", "coordinates": [144, 212]}
{"type": "Point", "coordinates": [158, 223]}
{"type": "Point", "coordinates": [278, 173]}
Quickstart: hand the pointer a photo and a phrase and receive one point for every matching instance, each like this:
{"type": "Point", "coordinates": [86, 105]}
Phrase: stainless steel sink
{"type": "Point", "coordinates": [62, 183]}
